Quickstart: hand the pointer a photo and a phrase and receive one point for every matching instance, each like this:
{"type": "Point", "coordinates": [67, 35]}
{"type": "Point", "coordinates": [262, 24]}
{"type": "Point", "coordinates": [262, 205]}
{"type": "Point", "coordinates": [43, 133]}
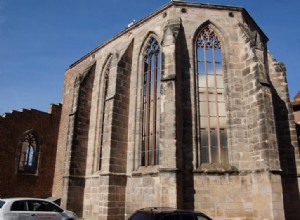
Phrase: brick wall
{"type": "Point", "coordinates": [12, 127]}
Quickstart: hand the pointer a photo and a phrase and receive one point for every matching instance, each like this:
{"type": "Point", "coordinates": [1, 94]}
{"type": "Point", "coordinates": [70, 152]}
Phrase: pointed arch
{"type": "Point", "coordinates": [146, 40]}
{"type": "Point", "coordinates": [210, 96]}
{"type": "Point", "coordinates": [222, 35]}
{"type": "Point", "coordinates": [151, 71]}
{"type": "Point", "coordinates": [30, 144]}
{"type": "Point", "coordinates": [103, 105]}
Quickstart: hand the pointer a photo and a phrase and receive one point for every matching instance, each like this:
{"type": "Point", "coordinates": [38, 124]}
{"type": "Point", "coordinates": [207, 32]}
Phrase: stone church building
{"type": "Point", "coordinates": [185, 108]}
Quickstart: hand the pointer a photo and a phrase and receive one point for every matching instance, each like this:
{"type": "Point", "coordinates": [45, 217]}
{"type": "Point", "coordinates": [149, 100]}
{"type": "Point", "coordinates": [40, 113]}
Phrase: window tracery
{"type": "Point", "coordinates": [29, 154]}
{"type": "Point", "coordinates": [211, 112]}
{"type": "Point", "coordinates": [151, 96]}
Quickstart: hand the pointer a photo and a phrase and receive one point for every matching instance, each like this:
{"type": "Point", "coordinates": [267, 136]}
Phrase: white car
{"type": "Point", "coordinates": [33, 209]}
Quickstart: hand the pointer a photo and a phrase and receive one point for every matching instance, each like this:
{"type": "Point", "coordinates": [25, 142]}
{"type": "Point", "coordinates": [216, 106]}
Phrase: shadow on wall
{"type": "Point", "coordinates": [185, 124]}
{"type": "Point", "coordinates": [79, 141]}
{"type": "Point", "coordinates": [287, 156]}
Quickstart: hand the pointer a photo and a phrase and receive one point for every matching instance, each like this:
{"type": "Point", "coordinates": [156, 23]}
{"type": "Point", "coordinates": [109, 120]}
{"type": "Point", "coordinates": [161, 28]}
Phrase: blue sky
{"type": "Point", "coordinates": [39, 39]}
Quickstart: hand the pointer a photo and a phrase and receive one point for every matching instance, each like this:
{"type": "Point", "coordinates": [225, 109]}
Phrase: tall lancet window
{"type": "Point", "coordinates": [211, 103]}
{"type": "Point", "coordinates": [151, 96]}
{"type": "Point", "coordinates": [104, 108]}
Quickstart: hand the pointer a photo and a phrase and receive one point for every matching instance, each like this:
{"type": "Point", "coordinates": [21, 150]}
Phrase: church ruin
{"type": "Point", "coordinates": [185, 108]}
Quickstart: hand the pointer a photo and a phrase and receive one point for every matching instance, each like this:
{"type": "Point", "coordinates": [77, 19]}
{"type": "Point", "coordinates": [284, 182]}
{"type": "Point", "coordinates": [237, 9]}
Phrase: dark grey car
{"type": "Point", "coordinates": [161, 213]}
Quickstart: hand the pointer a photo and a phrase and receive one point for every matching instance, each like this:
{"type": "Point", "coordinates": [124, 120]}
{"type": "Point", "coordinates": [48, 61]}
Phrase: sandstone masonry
{"type": "Point", "coordinates": [100, 171]}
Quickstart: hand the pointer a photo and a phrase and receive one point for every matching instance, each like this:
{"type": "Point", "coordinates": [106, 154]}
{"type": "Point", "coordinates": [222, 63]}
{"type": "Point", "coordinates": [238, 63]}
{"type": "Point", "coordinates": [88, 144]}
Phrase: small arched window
{"type": "Point", "coordinates": [211, 102]}
{"type": "Point", "coordinates": [29, 153]}
{"type": "Point", "coordinates": [150, 111]}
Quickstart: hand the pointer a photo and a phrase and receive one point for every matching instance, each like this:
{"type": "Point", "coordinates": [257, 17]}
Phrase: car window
{"type": "Point", "coordinates": [200, 217]}
{"type": "Point", "coordinates": [1, 203]}
{"type": "Point", "coordinates": [19, 206]}
{"type": "Point", "coordinates": [171, 217]}
{"type": "Point", "coordinates": [187, 216]}
{"type": "Point", "coordinates": [43, 206]}
{"type": "Point", "coordinates": [141, 216]}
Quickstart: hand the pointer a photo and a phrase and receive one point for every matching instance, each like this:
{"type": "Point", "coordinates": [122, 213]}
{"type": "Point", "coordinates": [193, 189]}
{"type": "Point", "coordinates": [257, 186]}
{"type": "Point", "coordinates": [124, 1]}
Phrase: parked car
{"type": "Point", "coordinates": [161, 213]}
{"type": "Point", "coordinates": [33, 209]}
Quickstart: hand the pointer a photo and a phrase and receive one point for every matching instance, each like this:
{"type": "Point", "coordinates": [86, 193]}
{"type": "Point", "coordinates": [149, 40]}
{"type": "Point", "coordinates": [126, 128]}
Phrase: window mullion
{"type": "Point", "coordinates": [27, 155]}
{"type": "Point", "coordinates": [106, 79]}
{"type": "Point", "coordinates": [198, 118]}
{"type": "Point", "coordinates": [210, 103]}
{"type": "Point", "coordinates": [150, 101]}
{"type": "Point", "coordinates": [147, 119]}
{"type": "Point", "coordinates": [154, 110]}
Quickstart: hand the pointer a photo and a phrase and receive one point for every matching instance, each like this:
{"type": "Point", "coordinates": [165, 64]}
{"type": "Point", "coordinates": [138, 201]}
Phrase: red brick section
{"type": "Point", "coordinates": [12, 126]}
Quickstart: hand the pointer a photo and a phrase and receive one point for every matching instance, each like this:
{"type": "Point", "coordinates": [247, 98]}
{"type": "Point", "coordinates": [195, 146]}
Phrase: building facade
{"type": "Point", "coordinates": [186, 108]}
{"type": "Point", "coordinates": [28, 144]}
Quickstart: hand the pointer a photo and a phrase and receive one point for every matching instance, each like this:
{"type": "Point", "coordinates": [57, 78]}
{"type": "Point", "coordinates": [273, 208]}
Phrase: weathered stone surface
{"type": "Point", "coordinates": [100, 139]}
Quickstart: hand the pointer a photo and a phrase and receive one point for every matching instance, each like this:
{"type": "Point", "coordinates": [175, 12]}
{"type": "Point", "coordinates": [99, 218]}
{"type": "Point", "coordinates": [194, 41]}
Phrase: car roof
{"type": "Point", "coordinates": [161, 211]}
{"type": "Point", "coordinates": [158, 209]}
{"type": "Point", "coordinates": [165, 210]}
{"type": "Point", "coordinates": [20, 198]}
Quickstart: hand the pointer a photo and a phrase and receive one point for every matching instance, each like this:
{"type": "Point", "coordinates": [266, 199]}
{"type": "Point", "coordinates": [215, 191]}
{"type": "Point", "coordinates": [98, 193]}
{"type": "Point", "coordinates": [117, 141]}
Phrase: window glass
{"type": "Point", "coordinates": [199, 217]}
{"type": "Point", "coordinates": [204, 146]}
{"type": "Point", "coordinates": [1, 204]}
{"type": "Point", "coordinates": [203, 109]}
{"type": "Point", "coordinates": [221, 107]}
{"type": "Point", "coordinates": [43, 206]}
{"type": "Point", "coordinates": [204, 122]}
{"type": "Point", "coordinates": [29, 153]}
{"type": "Point", "coordinates": [150, 111]}
{"type": "Point", "coordinates": [187, 216]}
{"type": "Point", "coordinates": [219, 79]}
{"type": "Point", "coordinates": [214, 146]}
{"type": "Point", "coordinates": [171, 217]}
{"type": "Point", "coordinates": [19, 206]}
{"type": "Point", "coordinates": [213, 120]}
{"type": "Point", "coordinates": [211, 107]}
{"type": "Point", "coordinates": [141, 216]}
{"type": "Point", "coordinates": [224, 147]}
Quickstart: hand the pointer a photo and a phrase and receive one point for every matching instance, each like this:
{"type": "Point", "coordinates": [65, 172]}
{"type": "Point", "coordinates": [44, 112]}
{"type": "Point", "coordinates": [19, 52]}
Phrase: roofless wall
{"type": "Point", "coordinates": [186, 108]}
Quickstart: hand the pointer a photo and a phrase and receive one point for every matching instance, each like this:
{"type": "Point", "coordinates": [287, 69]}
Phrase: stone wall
{"type": "Point", "coordinates": [112, 183]}
{"type": "Point", "coordinates": [286, 138]}
{"type": "Point", "coordinates": [246, 195]}
{"type": "Point", "coordinates": [296, 108]}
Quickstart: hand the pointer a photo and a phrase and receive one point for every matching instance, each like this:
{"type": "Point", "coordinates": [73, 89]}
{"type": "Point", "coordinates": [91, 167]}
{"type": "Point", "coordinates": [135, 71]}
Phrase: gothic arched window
{"type": "Point", "coordinates": [29, 153]}
{"type": "Point", "coordinates": [211, 101]}
{"type": "Point", "coordinates": [104, 107]}
{"type": "Point", "coordinates": [151, 95]}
